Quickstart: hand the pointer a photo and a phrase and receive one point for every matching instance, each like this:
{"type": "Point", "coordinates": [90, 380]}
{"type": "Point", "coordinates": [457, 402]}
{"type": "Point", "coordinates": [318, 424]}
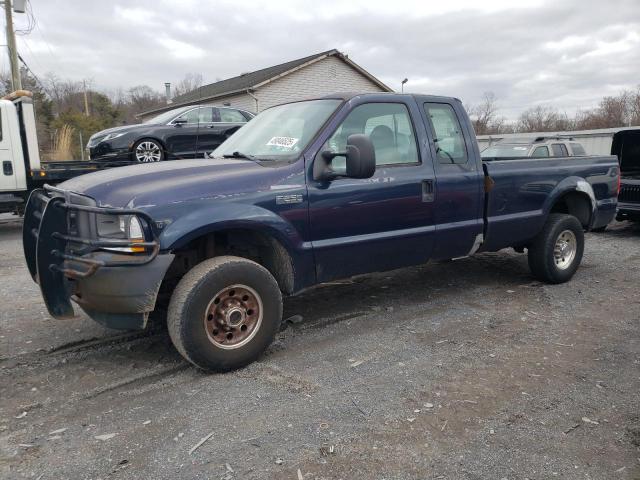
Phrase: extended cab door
{"type": "Point", "coordinates": [8, 177]}
{"type": "Point", "coordinates": [459, 190]}
{"type": "Point", "coordinates": [383, 222]}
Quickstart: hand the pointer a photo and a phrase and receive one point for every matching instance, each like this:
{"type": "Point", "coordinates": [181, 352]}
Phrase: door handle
{"type": "Point", "coordinates": [427, 191]}
{"type": "Point", "coordinates": [7, 168]}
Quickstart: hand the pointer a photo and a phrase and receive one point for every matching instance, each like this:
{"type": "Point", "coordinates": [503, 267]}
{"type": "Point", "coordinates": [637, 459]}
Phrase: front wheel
{"type": "Point", "coordinates": [224, 313]}
{"type": "Point", "coordinates": [148, 150]}
{"type": "Point", "coordinates": [555, 253]}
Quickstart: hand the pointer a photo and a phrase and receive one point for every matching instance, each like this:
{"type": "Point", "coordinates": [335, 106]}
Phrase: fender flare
{"type": "Point", "coordinates": [568, 185]}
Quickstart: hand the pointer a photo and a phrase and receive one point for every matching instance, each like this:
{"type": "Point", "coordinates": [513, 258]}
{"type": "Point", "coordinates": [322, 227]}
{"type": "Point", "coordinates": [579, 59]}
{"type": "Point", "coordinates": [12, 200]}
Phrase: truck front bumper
{"type": "Point", "coordinates": [68, 260]}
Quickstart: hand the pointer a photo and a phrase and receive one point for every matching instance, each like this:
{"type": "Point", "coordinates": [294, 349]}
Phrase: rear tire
{"type": "Point", "coordinates": [555, 253]}
{"type": "Point", "coordinates": [224, 313]}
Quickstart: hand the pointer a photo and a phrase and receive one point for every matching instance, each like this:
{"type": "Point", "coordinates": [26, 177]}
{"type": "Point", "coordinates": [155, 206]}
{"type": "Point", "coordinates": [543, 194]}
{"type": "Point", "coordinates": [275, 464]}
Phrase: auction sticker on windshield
{"type": "Point", "coordinates": [285, 142]}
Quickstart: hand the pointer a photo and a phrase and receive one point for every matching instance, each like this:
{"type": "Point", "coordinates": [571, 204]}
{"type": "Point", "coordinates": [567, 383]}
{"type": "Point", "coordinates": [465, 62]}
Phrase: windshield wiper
{"type": "Point", "coordinates": [237, 154]}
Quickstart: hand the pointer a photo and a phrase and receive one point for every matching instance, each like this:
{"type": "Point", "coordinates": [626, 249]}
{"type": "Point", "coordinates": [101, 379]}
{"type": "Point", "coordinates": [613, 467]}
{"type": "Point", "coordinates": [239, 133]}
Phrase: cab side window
{"type": "Point", "coordinates": [390, 129]}
{"type": "Point", "coordinates": [541, 152]}
{"type": "Point", "coordinates": [447, 133]}
{"type": "Point", "coordinates": [198, 115]}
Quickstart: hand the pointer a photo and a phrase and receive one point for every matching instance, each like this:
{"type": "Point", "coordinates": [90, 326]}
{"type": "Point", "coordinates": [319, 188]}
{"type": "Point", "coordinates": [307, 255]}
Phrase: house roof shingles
{"type": "Point", "coordinates": [251, 79]}
{"type": "Point", "coordinates": [246, 80]}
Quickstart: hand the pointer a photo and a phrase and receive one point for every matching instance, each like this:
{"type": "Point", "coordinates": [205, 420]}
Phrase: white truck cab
{"type": "Point", "coordinates": [19, 152]}
{"type": "Point", "coordinates": [22, 170]}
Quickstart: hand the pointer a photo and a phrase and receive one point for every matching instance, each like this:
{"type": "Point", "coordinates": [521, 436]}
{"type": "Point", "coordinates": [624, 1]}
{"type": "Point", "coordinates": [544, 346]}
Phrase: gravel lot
{"type": "Point", "coordinates": [461, 370]}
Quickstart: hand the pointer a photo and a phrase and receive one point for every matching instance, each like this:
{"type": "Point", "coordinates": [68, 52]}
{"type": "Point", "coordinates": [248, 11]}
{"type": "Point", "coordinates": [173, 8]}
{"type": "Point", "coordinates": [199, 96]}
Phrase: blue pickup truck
{"type": "Point", "coordinates": [305, 193]}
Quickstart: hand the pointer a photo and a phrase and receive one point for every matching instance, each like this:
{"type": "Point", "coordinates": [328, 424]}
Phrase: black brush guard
{"type": "Point", "coordinates": [55, 251]}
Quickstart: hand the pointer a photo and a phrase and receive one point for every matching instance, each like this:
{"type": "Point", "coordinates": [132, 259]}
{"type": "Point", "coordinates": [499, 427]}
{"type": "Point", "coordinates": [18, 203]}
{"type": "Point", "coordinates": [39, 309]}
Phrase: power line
{"type": "Point", "coordinates": [35, 77]}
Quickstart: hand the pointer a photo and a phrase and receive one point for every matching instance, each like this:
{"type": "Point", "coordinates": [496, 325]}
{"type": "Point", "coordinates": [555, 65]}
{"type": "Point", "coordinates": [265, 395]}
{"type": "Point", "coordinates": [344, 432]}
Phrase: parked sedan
{"type": "Point", "coordinates": [184, 132]}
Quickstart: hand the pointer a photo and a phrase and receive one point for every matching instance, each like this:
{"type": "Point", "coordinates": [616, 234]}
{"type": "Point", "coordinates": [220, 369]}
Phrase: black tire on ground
{"type": "Point", "coordinates": [547, 259]}
{"type": "Point", "coordinates": [155, 151]}
{"type": "Point", "coordinates": [209, 293]}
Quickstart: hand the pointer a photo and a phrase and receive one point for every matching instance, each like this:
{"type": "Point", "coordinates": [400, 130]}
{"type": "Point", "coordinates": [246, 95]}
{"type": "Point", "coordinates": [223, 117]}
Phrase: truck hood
{"type": "Point", "coordinates": [148, 185]}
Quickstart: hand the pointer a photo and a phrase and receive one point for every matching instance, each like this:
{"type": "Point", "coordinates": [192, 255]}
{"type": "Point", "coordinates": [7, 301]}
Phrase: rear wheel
{"type": "Point", "coordinates": [556, 252]}
{"type": "Point", "coordinates": [224, 313]}
{"type": "Point", "coordinates": [148, 150]}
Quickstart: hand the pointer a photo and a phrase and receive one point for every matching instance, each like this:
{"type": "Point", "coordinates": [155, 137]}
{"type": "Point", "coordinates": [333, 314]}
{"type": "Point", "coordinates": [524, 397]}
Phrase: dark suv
{"type": "Point", "coordinates": [185, 132]}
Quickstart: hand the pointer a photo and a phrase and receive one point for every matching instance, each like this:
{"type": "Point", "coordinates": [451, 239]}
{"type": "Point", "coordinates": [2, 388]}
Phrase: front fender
{"type": "Point", "coordinates": [201, 220]}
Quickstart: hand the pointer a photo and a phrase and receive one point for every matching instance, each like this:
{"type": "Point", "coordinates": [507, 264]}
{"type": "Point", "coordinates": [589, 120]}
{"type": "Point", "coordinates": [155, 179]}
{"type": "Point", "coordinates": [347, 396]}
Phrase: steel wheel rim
{"type": "Point", "coordinates": [233, 317]}
{"type": "Point", "coordinates": [565, 249]}
{"type": "Point", "coordinates": [148, 152]}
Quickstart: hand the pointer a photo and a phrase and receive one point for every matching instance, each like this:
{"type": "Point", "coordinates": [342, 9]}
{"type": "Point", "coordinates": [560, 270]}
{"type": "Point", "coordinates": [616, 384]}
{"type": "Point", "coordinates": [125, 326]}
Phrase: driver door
{"type": "Point", "coordinates": [379, 223]}
{"type": "Point", "coordinates": [182, 141]}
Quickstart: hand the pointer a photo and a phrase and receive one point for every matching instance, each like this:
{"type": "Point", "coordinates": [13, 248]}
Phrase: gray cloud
{"type": "Point", "coordinates": [565, 53]}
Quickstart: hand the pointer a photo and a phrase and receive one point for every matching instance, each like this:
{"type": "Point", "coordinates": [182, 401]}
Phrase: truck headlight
{"type": "Point", "coordinates": [123, 227]}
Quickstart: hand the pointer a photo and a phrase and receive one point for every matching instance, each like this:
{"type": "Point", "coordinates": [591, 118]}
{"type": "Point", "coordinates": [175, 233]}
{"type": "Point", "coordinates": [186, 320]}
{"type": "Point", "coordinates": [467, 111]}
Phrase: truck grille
{"type": "Point", "coordinates": [629, 194]}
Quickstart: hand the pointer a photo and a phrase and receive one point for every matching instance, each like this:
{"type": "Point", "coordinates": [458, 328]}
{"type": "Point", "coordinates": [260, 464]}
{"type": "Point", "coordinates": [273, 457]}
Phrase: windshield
{"type": "Point", "coordinates": [279, 133]}
{"type": "Point", "coordinates": [505, 151]}
{"type": "Point", "coordinates": [166, 117]}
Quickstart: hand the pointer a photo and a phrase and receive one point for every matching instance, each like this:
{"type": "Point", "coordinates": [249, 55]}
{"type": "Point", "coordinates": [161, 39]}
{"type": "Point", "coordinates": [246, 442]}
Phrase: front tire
{"type": "Point", "coordinates": [224, 313]}
{"type": "Point", "coordinates": [148, 150]}
{"type": "Point", "coordinates": [556, 252]}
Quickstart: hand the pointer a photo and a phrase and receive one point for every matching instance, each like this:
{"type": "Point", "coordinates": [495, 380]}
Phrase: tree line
{"type": "Point", "coordinates": [613, 111]}
{"type": "Point", "coordinates": [64, 121]}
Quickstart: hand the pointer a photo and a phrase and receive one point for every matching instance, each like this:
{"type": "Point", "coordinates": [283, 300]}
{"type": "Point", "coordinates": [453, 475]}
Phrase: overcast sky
{"type": "Point", "coordinates": [567, 53]}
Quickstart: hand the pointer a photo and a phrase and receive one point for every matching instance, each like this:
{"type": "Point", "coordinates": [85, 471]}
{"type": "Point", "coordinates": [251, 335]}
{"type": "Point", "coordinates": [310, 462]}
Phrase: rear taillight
{"type": "Point", "coordinates": [618, 193]}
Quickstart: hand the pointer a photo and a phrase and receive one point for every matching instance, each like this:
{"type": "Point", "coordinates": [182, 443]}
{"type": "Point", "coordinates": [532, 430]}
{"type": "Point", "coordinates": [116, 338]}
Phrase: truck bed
{"type": "Point", "coordinates": [524, 188]}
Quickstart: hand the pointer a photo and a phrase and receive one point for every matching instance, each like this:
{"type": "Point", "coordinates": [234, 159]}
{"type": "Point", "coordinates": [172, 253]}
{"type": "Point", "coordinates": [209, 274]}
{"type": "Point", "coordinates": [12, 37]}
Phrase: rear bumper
{"type": "Point", "coordinates": [628, 211]}
{"type": "Point", "coordinates": [67, 259]}
{"type": "Point", "coordinates": [629, 199]}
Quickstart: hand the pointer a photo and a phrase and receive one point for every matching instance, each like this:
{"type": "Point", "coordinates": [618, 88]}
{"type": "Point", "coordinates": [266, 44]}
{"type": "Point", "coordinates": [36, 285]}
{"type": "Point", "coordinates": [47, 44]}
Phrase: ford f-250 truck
{"type": "Point", "coordinates": [307, 192]}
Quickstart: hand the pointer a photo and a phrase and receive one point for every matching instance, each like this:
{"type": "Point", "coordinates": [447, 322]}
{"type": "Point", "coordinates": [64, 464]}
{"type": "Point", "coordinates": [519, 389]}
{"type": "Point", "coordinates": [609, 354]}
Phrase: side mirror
{"type": "Point", "coordinates": [360, 160]}
{"type": "Point", "coordinates": [178, 122]}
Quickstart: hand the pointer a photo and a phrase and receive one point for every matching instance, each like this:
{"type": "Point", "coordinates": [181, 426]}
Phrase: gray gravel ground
{"type": "Point", "coordinates": [461, 370]}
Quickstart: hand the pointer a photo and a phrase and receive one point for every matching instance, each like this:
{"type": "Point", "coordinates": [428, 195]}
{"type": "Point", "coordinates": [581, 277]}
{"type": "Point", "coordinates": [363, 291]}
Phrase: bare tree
{"type": "Point", "coordinates": [542, 119]}
{"type": "Point", "coordinates": [484, 116]}
{"type": "Point", "coordinates": [190, 82]}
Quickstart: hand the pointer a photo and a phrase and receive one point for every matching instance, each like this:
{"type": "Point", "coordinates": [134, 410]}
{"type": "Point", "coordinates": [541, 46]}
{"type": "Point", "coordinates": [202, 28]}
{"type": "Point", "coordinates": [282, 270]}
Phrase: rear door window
{"type": "Point", "coordinates": [559, 150]}
{"type": "Point", "coordinates": [228, 115]}
{"type": "Point", "coordinates": [447, 133]}
{"type": "Point", "coordinates": [541, 152]}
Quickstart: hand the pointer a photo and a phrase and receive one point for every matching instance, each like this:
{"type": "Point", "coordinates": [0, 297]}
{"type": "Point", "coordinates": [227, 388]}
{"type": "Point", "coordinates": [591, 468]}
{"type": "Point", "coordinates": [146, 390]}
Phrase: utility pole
{"type": "Point", "coordinates": [86, 102]}
{"type": "Point", "coordinates": [16, 81]}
